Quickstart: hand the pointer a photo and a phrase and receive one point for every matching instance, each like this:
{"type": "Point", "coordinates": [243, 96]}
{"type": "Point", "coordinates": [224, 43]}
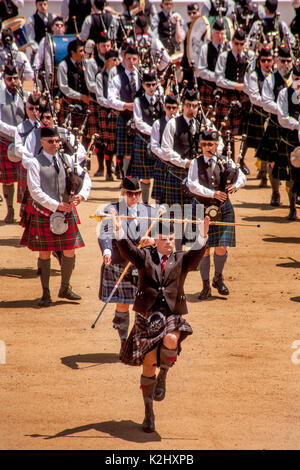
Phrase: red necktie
{"type": "Point", "coordinates": [163, 262]}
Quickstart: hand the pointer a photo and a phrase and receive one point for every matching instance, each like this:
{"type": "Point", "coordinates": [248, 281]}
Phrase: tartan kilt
{"type": "Point", "coordinates": [173, 193]}
{"type": "Point", "coordinates": [138, 343]}
{"type": "Point", "coordinates": [159, 183]}
{"type": "Point", "coordinates": [77, 117]}
{"type": "Point", "coordinates": [37, 235]}
{"type": "Point", "coordinates": [282, 168]}
{"type": "Point", "coordinates": [255, 127]}
{"type": "Point", "coordinates": [93, 125]}
{"type": "Point", "coordinates": [8, 169]}
{"type": "Point", "coordinates": [140, 166]}
{"type": "Point", "coordinates": [22, 183]}
{"type": "Point", "coordinates": [267, 151]}
{"type": "Point", "coordinates": [26, 209]}
{"type": "Point", "coordinates": [223, 235]}
{"type": "Point", "coordinates": [110, 275]}
{"type": "Point", "coordinates": [236, 117]}
{"type": "Point", "coordinates": [124, 142]}
{"type": "Point", "coordinates": [206, 95]}
{"type": "Point", "coordinates": [108, 128]}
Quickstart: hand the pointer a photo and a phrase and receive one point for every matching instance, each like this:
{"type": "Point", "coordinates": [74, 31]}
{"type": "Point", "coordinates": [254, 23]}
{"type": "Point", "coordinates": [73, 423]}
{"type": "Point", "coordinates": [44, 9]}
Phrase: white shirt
{"type": "Point", "coordinates": [140, 124]}
{"type": "Point", "coordinates": [284, 119]}
{"type": "Point", "coordinates": [114, 89]}
{"type": "Point", "coordinates": [155, 138]}
{"type": "Point", "coordinates": [34, 183]}
{"type": "Point", "coordinates": [268, 98]}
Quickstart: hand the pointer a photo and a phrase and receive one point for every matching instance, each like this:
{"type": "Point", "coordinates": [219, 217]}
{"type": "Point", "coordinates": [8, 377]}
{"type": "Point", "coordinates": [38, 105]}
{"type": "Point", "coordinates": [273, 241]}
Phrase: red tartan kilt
{"type": "Point", "coordinates": [26, 209]}
{"type": "Point", "coordinates": [108, 127]}
{"type": "Point", "coordinates": [22, 183]}
{"type": "Point", "coordinates": [8, 169]}
{"type": "Point", "coordinates": [37, 235]}
{"type": "Point", "coordinates": [206, 96]}
{"type": "Point", "coordinates": [93, 122]}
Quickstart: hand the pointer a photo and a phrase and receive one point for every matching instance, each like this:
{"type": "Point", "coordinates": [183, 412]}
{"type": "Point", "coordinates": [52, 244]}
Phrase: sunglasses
{"type": "Point", "coordinates": [266, 60]}
{"type": "Point", "coordinates": [149, 85]}
{"type": "Point", "coordinates": [133, 193]}
{"type": "Point", "coordinates": [287, 61]}
{"type": "Point", "coordinates": [170, 107]}
{"type": "Point", "coordinates": [10, 79]}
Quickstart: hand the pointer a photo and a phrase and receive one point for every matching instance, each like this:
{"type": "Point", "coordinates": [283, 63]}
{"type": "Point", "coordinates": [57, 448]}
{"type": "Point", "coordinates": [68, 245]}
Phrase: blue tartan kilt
{"type": "Point", "coordinates": [223, 235]}
{"type": "Point", "coordinates": [140, 166]}
{"type": "Point", "coordinates": [159, 184]}
{"type": "Point", "coordinates": [124, 142]}
{"type": "Point", "coordinates": [173, 193]}
{"type": "Point", "coordinates": [126, 291]}
{"type": "Point", "coordinates": [286, 145]}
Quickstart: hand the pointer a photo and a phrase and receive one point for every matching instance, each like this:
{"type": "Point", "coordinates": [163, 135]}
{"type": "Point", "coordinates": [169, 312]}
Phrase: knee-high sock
{"type": "Point", "coordinates": [126, 162]}
{"type": "Point", "coordinates": [147, 385]}
{"type": "Point", "coordinates": [145, 192]}
{"type": "Point", "coordinates": [44, 271]}
{"type": "Point", "coordinates": [67, 265]}
{"type": "Point", "coordinates": [121, 323]}
{"type": "Point", "coordinates": [205, 268]}
{"type": "Point", "coordinates": [219, 262]}
{"type": "Point", "coordinates": [275, 182]}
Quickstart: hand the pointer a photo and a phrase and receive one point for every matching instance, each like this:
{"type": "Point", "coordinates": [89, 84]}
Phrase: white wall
{"type": "Point", "coordinates": [285, 7]}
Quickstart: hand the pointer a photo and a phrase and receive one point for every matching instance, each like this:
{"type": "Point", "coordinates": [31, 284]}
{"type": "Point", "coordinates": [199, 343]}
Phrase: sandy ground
{"type": "Point", "coordinates": [235, 385]}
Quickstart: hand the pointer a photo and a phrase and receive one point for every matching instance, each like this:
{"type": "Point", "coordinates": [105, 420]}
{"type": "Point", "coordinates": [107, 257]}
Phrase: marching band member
{"type": "Point", "coordinates": [208, 180]}
{"type": "Point", "coordinates": [246, 13]}
{"type": "Point", "coordinates": [205, 69]}
{"type": "Point", "coordinates": [160, 303]}
{"type": "Point", "coordinates": [121, 93]}
{"type": "Point", "coordinates": [218, 8]}
{"type": "Point", "coordinates": [9, 54]}
{"type": "Point", "coordinates": [113, 261]}
{"type": "Point", "coordinates": [12, 113]}
{"type": "Point", "coordinates": [107, 116]}
{"type": "Point", "coordinates": [99, 21]}
{"type": "Point", "coordinates": [257, 117]}
{"type": "Point", "coordinates": [75, 9]}
{"type": "Point", "coordinates": [46, 179]}
{"type": "Point", "coordinates": [57, 28]}
{"type": "Point", "coordinates": [171, 106]}
{"type": "Point", "coordinates": [193, 11]}
{"type": "Point", "coordinates": [38, 25]}
{"type": "Point", "coordinates": [288, 118]}
{"type": "Point", "coordinates": [168, 26]}
{"type": "Point", "coordinates": [146, 109]}
{"type": "Point", "coordinates": [268, 150]}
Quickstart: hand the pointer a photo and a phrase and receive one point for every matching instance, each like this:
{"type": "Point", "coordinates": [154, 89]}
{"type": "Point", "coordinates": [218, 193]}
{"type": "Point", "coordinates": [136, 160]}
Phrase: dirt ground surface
{"type": "Point", "coordinates": [235, 385]}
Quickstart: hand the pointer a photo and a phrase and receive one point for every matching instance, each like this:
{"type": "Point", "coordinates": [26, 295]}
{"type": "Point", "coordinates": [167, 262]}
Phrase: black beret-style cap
{"type": "Point", "coordinates": [210, 135]}
{"type": "Point", "coordinates": [49, 132]}
{"type": "Point", "coordinates": [131, 184]}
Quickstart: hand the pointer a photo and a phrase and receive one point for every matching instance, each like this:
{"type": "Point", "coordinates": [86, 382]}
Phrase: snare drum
{"type": "Point", "coordinates": [17, 25]}
{"type": "Point", "coordinates": [56, 49]}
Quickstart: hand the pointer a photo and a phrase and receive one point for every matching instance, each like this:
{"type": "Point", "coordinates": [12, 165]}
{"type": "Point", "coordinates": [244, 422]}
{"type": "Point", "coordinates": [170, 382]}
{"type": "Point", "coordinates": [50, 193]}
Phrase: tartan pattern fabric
{"type": "Point", "coordinates": [268, 149]}
{"type": "Point", "coordinates": [93, 122]}
{"type": "Point", "coordinates": [140, 166]}
{"type": "Point", "coordinates": [159, 183]}
{"type": "Point", "coordinates": [124, 144]}
{"type": "Point", "coordinates": [77, 117]}
{"type": "Point", "coordinates": [206, 96]}
{"type": "Point", "coordinates": [126, 291]}
{"type": "Point", "coordinates": [254, 129]}
{"type": "Point", "coordinates": [287, 143]}
{"type": "Point", "coordinates": [139, 344]}
{"type": "Point", "coordinates": [26, 209]}
{"type": "Point", "coordinates": [223, 235]}
{"type": "Point", "coordinates": [236, 115]}
{"type": "Point", "coordinates": [108, 128]}
{"type": "Point", "coordinates": [173, 188]}
{"type": "Point", "coordinates": [22, 183]}
{"type": "Point", "coordinates": [8, 169]}
{"type": "Point", "coordinates": [37, 235]}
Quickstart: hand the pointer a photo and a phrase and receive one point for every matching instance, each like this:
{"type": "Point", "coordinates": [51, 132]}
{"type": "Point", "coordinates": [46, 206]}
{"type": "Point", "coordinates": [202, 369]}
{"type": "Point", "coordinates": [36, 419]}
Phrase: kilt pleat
{"type": "Point", "coordinates": [110, 275]}
{"type": "Point", "coordinates": [108, 128]}
{"type": "Point", "coordinates": [8, 169]}
{"type": "Point", "coordinates": [223, 235]}
{"type": "Point", "coordinates": [37, 235]}
{"type": "Point", "coordinates": [140, 166]}
{"type": "Point", "coordinates": [124, 142]}
{"type": "Point", "coordinates": [139, 344]}
{"type": "Point", "coordinates": [93, 122]}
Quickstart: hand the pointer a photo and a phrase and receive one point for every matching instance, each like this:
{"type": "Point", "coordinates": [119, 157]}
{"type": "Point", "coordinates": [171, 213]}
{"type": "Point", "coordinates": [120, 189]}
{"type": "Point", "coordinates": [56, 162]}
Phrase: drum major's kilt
{"type": "Point", "coordinates": [110, 275]}
{"type": "Point", "coordinates": [159, 183]}
{"type": "Point", "coordinates": [108, 128]}
{"type": "Point", "coordinates": [8, 169]}
{"type": "Point", "coordinates": [138, 343]}
{"type": "Point", "coordinates": [254, 127]}
{"type": "Point", "coordinates": [268, 148]}
{"type": "Point", "coordinates": [223, 235]}
{"type": "Point", "coordinates": [124, 143]}
{"type": "Point", "coordinates": [140, 166]}
{"type": "Point", "coordinates": [37, 235]}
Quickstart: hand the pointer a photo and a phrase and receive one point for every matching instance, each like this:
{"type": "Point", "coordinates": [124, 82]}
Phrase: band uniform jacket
{"type": "Point", "coordinates": [154, 287]}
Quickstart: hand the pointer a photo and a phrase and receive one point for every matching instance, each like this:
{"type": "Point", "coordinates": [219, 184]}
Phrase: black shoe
{"type": "Point", "coordinates": [160, 386]}
{"type": "Point", "coordinates": [263, 183]}
{"type": "Point", "coordinates": [45, 301]}
{"type": "Point", "coordinates": [66, 293]}
{"type": "Point", "coordinates": [292, 215]}
{"type": "Point", "coordinates": [9, 219]}
{"type": "Point", "coordinates": [109, 178]}
{"type": "Point", "coordinates": [275, 199]}
{"type": "Point", "coordinates": [99, 172]}
{"type": "Point", "coordinates": [206, 291]}
{"type": "Point", "coordinates": [245, 169]}
{"type": "Point", "coordinates": [219, 284]}
{"type": "Point", "coordinates": [148, 423]}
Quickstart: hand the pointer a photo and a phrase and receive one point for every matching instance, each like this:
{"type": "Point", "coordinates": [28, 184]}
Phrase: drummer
{"type": "Point", "coordinates": [219, 8]}
{"type": "Point", "coordinates": [38, 25]}
{"type": "Point", "coordinates": [57, 29]}
{"type": "Point", "coordinates": [169, 27]}
{"type": "Point", "coordinates": [9, 53]}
